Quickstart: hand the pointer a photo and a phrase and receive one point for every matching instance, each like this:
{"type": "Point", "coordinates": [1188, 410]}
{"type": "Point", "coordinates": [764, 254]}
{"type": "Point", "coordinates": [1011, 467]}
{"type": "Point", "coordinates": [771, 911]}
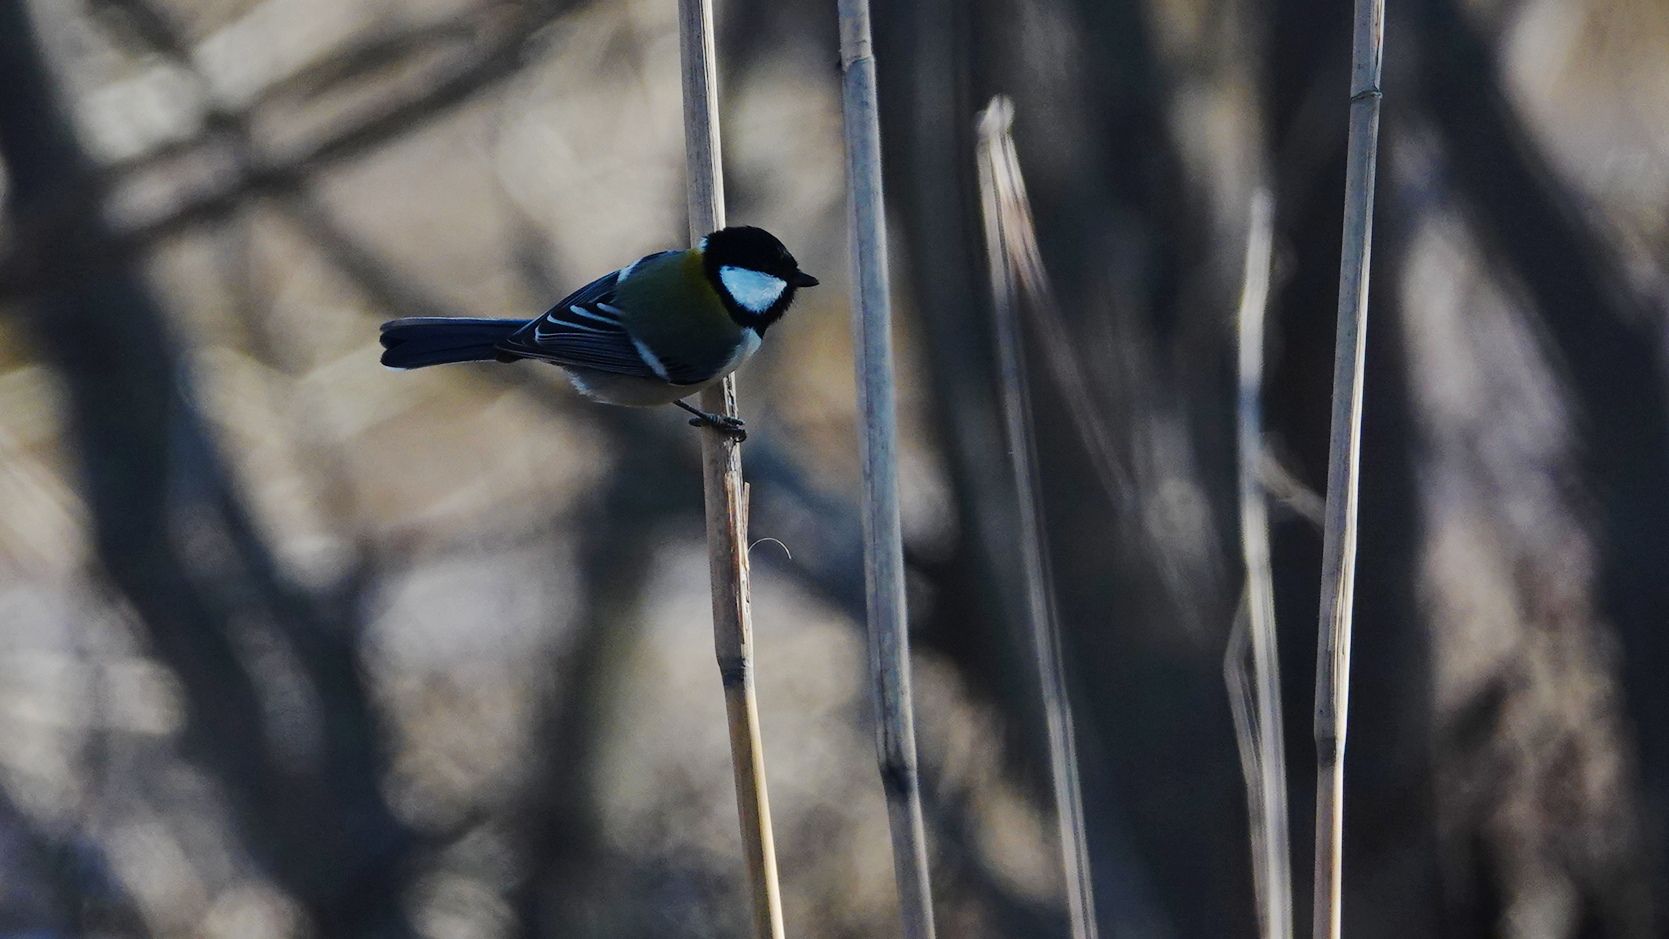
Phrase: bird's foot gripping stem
{"type": "Point", "coordinates": [723, 423]}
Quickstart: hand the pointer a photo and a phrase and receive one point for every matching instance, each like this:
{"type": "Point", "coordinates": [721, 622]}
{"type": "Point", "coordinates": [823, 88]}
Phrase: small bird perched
{"type": "Point", "coordinates": [654, 332]}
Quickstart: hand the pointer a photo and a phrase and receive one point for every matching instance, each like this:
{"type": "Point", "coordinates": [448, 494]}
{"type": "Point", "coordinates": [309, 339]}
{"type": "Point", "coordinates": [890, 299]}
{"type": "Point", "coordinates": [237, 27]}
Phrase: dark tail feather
{"type": "Point", "coordinates": [418, 341]}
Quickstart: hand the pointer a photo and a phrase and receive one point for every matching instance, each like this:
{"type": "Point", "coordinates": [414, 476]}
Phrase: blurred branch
{"type": "Point", "coordinates": [954, 821]}
{"type": "Point", "coordinates": [560, 816]}
{"type": "Point", "coordinates": [158, 31]}
{"type": "Point", "coordinates": [393, 52]}
{"type": "Point", "coordinates": [323, 459]}
{"type": "Point", "coordinates": [1279, 482]}
{"type": "Point", "coordinates": [52, 884]}
{"type": "Point", "coordinates": [1253, 645]}
{"type": "Point", "coordinates": [324, 634]}
{"type": "Point", "coordinates": [1012, 260]}
{"type": "Point", "coordinates": [28, 266]}
{"type": "Point", "coordinates": [1607, 337]}
{"type": "Point", "coordinates": [159, 493]}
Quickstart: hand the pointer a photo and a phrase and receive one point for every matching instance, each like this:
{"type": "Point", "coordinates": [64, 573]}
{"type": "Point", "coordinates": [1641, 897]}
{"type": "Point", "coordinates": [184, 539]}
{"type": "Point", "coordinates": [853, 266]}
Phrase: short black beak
{"type": "Point", "coordinates": [802, 279]}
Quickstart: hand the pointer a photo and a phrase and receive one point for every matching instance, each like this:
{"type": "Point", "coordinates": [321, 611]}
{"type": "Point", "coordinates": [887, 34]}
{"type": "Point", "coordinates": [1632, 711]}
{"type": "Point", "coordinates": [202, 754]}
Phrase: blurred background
{"type": "Point", "coordinates": [297, 646]}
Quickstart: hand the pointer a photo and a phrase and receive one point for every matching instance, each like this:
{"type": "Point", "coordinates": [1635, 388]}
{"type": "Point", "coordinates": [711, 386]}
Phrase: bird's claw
{"type": "Point", "coordinates": [731, 426]}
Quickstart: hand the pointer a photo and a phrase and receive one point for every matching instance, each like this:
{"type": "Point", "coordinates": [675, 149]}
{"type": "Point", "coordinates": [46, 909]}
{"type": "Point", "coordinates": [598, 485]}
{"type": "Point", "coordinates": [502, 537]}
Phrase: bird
{"type": "Point", "coordinates": [654, 332]}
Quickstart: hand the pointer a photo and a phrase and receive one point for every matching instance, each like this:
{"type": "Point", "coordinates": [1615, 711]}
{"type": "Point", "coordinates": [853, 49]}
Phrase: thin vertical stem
{"type": "Point", "coordinates": [998, 169]}
{"type": "Point", "coordinates": [889, 645]}
{"type": "Point", "coordinates": [1338, 559]}
{"type": "Point", "coordinates": [721, 472]}
{"type": "Point", "coordinates": [1264, 747]}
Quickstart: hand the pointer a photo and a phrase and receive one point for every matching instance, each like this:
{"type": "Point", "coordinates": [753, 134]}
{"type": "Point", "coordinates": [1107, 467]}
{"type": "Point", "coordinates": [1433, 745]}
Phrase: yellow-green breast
{"type": "Point", "coordinates": [667, 303]}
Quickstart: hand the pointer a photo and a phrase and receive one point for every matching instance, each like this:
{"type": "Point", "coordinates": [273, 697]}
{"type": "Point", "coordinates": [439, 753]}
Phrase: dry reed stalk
{"type": "Point", "coordinates": [889, 644]}
{"type": "Point", "coordinates": [1056, 346]}
{"type": "Point", "coordinates": [726, 496]}
{"type": "Point", "coordinates": [1256, 701]}
{"type": "Point", "coordinates": [1007, 232]}
{"type": "Point", "coordinates": [1338, 558]}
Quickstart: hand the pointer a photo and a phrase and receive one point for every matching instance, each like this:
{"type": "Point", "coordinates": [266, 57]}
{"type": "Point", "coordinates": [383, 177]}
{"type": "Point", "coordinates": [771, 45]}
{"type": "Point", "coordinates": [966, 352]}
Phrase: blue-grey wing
{"type": "Point", "coordinates": [584, 330]}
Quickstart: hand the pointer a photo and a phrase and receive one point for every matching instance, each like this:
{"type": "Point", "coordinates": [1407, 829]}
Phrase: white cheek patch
{"type": "Point", "coordinates": [752, 290]}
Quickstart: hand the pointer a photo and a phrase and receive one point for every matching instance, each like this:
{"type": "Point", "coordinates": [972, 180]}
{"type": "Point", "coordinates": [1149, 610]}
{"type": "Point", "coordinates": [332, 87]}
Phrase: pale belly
{"type": "Point", "coordinates": [629, 390]}
{"type": "Point", "coordinates": [633, 391]}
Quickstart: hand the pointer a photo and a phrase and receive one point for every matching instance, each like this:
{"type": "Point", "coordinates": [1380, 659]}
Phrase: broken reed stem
{"type": "Point", "coordinates": [999, 170]}
{"type": "Point", "coordinates": [889, 644]}
{"type": "Point", "coordinates": [1257, 703]}
{"type": "Point", "coordinates": [726, 495]}
{"type": "Point", "coordinates": [1338, 558]}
